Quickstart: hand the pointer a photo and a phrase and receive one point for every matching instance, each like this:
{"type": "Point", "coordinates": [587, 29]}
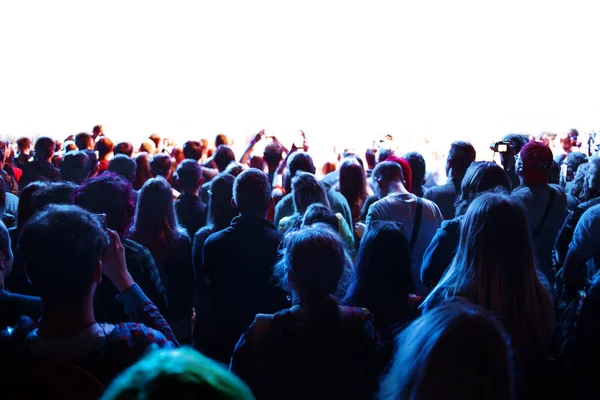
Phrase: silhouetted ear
{"type": "Point", "coordinates": [233, 203]}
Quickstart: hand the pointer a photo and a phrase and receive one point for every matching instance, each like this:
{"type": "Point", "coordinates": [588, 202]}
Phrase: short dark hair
{"type": "Point", "coordinates": [301, 161]}
{"type": "Point", "coordinates": [319, 213]}
{"type": "Point", "coordinates": [124, 148]}
{"type": "Point", "coordinates": [371, 157]}
{"type": "Point", "coordinates": [383, 154]}
{"type": "Point", "coordinates": [160, 165]}
{"type": "Point", "coordinates": [84, 141]}
{"type": "Point", "coordinates": [417, 165]}
{"type": "Point", "coordinates": [222, 139]}
{"type": "Point", "coordinates": [189, 175]}
{"type": "Point", "coordinates": [75, 167]}
{"type": "Point", "coordinates": [23, 143]}
{"type": "Point", "coordinates": [388, 171]}
{"type": "Point", "coordinates": [516, 140]}
{"type": "Point", "coordinates": [223, 156]}
{"type": "Point", "coordinates": [53, 193]}
{"type": "Point", "coordinates": [273, 154]}
{"type": "Point", "coordinates": [192, 149]}
{"type": "Point", "coordinates": [111, 195]}
{"type": "Point", "coordinates": [104, 146]}
{"type": "Point", "coordinates": [123, 166]}
{"type": "Point", "coordinates": [461, 154]}
{"type": "Point", "coordinates": [252, 192]}
{"type": "Point", "coordinates": [93, 161]}
{"type": "Point", "coordinates": [61, 246]}
{"type": "Point", "coordinates": [44, 148]}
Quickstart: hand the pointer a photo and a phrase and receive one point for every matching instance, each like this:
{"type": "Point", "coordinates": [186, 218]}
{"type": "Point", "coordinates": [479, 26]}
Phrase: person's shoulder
{"type": "Point", "coordinates": [132, 334]}
{"type": "Point", "coordinates": [134, 250]}
{"type": "Point", "coordinates": [451, 224]}
{"type": "Point", "coordinates": [356, 314]}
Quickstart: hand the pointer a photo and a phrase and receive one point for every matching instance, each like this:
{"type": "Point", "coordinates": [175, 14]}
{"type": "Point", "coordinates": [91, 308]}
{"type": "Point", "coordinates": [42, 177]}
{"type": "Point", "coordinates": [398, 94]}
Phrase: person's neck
{"type": "Point", "coordinates": [397, 188]}
{"type": "Point", "coordinates": [63, 322]}
{"type": "Point", "coordinates": [191, 192]}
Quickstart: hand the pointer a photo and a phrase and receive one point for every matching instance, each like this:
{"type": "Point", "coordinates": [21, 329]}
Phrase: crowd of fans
{"type": "Point", "coordinates": [182, 271]}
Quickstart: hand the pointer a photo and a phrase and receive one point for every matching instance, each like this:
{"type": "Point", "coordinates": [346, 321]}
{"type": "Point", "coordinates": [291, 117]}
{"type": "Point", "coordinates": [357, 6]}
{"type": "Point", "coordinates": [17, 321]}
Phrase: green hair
{"type": "Point", "coordinates": [177, 373]}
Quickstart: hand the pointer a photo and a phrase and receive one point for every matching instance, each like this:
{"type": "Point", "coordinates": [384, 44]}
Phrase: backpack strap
{"type": "Point", "coordinates": [546, 213]}
{"type": "Point", "coordinates": [416, 223]}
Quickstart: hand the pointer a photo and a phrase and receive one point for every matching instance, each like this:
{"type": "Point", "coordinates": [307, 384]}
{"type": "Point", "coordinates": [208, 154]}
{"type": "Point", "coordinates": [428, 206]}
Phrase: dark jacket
{"type": "Point", "coordinates": [441, 251]}
{"type": "Point", "coordinates": [565, 235]}
{"type": "Point", "coordinates": [39, 171]}
{"type": "Point", "coordinates": [445, 196]}
{"type": "Point", "coordinates": [238, 262]}
{"type": "Point", "coordinates": [191, 212]}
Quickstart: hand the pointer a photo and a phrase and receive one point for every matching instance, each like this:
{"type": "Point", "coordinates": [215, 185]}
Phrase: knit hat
{"type": "Point", "coordinates": [536, 159]}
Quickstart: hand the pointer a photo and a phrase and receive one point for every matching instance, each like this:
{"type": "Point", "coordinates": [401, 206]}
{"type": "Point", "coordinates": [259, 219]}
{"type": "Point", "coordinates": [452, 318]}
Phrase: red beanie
{"type": "Point", "coordinates": [406, 170]}
{"type": "Point", "coordinates": [537, 160]}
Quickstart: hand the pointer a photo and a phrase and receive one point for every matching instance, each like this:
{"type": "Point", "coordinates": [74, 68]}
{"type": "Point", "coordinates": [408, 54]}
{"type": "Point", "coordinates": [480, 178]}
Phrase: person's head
{"type": "Point", "coordinates": [353, 184]}
{"type": "Point", "coordinates": [481, 177]}
{"type": "Point", "coordinates": [97, 131]}
{"type": "Point", "coordinates": [93, 157]}
{"type": "Point", "coordinates": [307, 190]}
{"type": "Point", "coordinates": [105, 147]}
{"type": "Point", "coordinates": [84, 141]}
{"type": "Point", "coordinates": [189, 176]}
{"type": "Point", "coordinates": [516, 140]}
{"type": "Point", "coordinates": [383, 154]}
{"type": "Point", "coordinates": [273, 154]}
{"type": "Point", "coordinates": [177, 156]}
{"type": "Point", "coordinates": [495, 268]}
{"type": "Point", "coordinates": [123, 166]}
{"type": "Point", "coordinates": [75, 167]}
{"type": "Point", "coordinates": [61, 249]}
{"type": "Point", "coordinates": [148, 146]}
{"type": "Point", "coordinates": [252, 193]}
{"type": "Point", "coordinates": [535, 161]}
{"type": "Point", "coordinates": [6, 254]}
{"type": "Point", "coordinates": [386, 176]}
{"type": "Point", "coordinates": [24, 145]}
{"type": "Point", "coordinates": [52, 193]}
{"type": "Point", "coordinates": [328, 168]}
{"type": "Point", "coordinates": [183, 371]}
{"type": "Point", "coordinates": [318, 213]}
{"type": "Point", "coordinates": [460, 157]}
{"type": "Point", "coordinates": [300, 161]}
{"type": "Point", "coordinates": [417, 165]}
{"type": "Point", "coordinates": [382, 275]}
{"type": "Point", "coordinates": [44, 149]}
{"type": "Point", "coordinates": [220, 207]}
{"type": "Point", "coordinates": [455, 351]}
{"type": "Point", "coordinates": [160, 165]}
{"type": "Point", "coordinates": [257, 162]}
{"type": "Point", "coordinates": [222, 139]}
{"type": "Point", "coordinates": [371, 157]}
{"type": "Point", "coordinates": [223, 156]}
{"type": "Point", "coordinates": [235, 168]}
{"type": "Point", "coordinates": [142, 170]}
{"type": "Point", "coordinates": [155, 224]}
{"type": "Point", "coordinates": [69, 145]}
{"type": "Point", "coordinates": [111, 195]}
{"type": "Point", "coordinates": [571, 164]}
{"type": "Point", "coordinates": [579, 186]}
{"type": "Point", "coordinates": [155, 137]}
{"type": "Point", "coordinates": [192, 150]}
{"type": "Point", "coordinates": [25, 209]}
{"type": "Point", "coordinates": [406, 170]}
{"type": "Point", "coordinates": [125, 148]}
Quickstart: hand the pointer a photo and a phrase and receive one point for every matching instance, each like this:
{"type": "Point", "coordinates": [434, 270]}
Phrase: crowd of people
{"type": "Point", "coordinates": [139, 272]}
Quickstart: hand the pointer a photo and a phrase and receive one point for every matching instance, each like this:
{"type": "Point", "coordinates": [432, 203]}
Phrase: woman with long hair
{"type": "Point", "coordinates": [382, 280]}
{"type": "Point", "coordinates": [495, 268]}
{"type": "Point", "coordinates": [318, 348]}
{"type": "Point", "coordinates": [454, 352]}
{"type": "Point", "coordinates": [142, 170]}
{"type": "Point", "coordinates": [480, 177]}
{"type": "Point", "coordinates": [156, 227]}
{"type": "Point", "coordinates": [353, 186]}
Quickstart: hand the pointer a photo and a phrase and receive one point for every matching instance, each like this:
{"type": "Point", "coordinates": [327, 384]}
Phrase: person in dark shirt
{"type": "Point", "coordinates": [418, 168]}
{"type": "Point", "coordinates": [191, 211]}
{"type": "Point", "coordinates": [111, 195]}
{"type": "Point", "coordinates": [41, 168]}
{"type": "Point", "coordinates": [238, 263]}
{"type": "Point", "coordinates": [25, 147]}
{"type": "Point", "coordinates": [75, 167]}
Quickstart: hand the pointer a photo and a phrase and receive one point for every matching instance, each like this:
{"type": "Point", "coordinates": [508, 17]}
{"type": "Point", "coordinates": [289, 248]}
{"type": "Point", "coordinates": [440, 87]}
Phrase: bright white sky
{"type": "Point", "coordinates": [343, 71]}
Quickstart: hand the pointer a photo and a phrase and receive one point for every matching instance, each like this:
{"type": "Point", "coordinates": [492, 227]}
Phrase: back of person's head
{"type": "Point", "coordinates": [104, 146]}
{"type": "Point", "coordinates": [97, 130]}
{"type": "Point", "coordinates": [307, 190]}
{"type": "Point", "coordinates": [155, 137]}
{"type": "Point", "coordinates": [495, 268]}
{"type": "Point", "coordinates": [24, 144]}
{"type": "Point", "coordinates": [481, 177]}
{"type": "Point", "coordinates": [252, 193]}
{"type": "Point", "coordinates": [44, 148]}
{"type": "Point", "coordinates": [535, 162]}
{"type": "Point", "coordinates": [125, 148]}
{"type": "Point", "coordinates": [161, 165]}
{"type": "Point", "coordinates": [383, 154]}
{"type": "Point", "coordinates": [235, 168]}
{"type": "Point", "coordinates": [579, 186]}
{"type": "Point", "coordinates": [319, 213]}
{"type": "Point", "coordinates": [6, 254]}
{"type": "Point", "coordinates": [192, 150]}
{"type": "Point", "coordinates": [111, 195]}
{"type": "Point", "coordinates": [417, 165]}
{"type": "Point", "coordinates": [184, 372]}
{"type": "Point", "coordinates": [406, 170]}
{"type": "Point", "coordinates": [155, 225]}
{"type": "Point", "coordinates": [328, 168]}
{"type": "Point", "coordinates": [455, 351]}
{"type": "Point", "coordinates": [61, 247]}
{"type": "Point", "coordinates": [93, 157]}
{"type": "Point", "coordinates": [312, 263]}
{"type": "Point", "coordinates": [148, 146]}
{"type": "Point", "coordinates": [300, 161]}
{"type": "Point", "coordinates": [516, 140]}
{"type": "Point", "coordinates": [371, 157]}
{"type": "Point", "coordinates": [220, 209]}
{"type": "Point", "coordinates": [69, 145]}
{"type": "Point", "coordinates": [142, 170]}
{"type": "Point", "coordinates": [353, 182]}
{"type": "Point", "coordinates": [387, 172]}
{"type": "Point", "coordinates": [25, 209]}
{"type": "Point", "coordinates": [222, 139]}
{"type": "Point", "coordinates": [75, 167]}
{"type": "Point", "coordinates": [273, 154]}
{"type": "Point", "coordinates": [189, 175]}
{"type": "Point", "coordinates": [53, 193]}
{"type": "Point", "coordinates": [123, 166]}
{"type": "Point", "coordinates": [223, 156]}
{"type": "Point", "coordinates": [256, 161]}
{"type": "Point", "coordinates": [84, 141]}
{"type": "Point", "coordinates": [382, 275]}
{"type": "Point", "coordinates": [460, 157]}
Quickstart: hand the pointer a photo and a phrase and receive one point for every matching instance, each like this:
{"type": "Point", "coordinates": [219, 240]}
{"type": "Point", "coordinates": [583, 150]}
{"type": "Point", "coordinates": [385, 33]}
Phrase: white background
{"type": "Point", "coordinates": [343, 71]}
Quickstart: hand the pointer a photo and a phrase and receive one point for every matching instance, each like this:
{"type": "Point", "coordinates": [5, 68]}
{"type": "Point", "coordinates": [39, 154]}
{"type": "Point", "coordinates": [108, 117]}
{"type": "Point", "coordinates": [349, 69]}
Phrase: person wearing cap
{"type": "Point", "coordinates": [546, 204]}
